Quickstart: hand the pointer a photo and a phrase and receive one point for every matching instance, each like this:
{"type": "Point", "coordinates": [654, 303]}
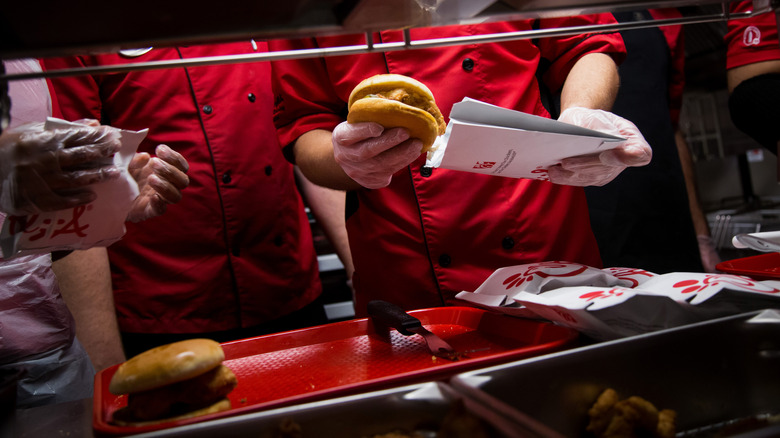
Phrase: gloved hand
{"type": "Point", "coordinates": [160, 181]}
{"type": "Point", "coordinates": [52, 170]}
{"type": "Point", "coordinates": [370, 154]}
{"type": "Point", "coordinates": [601, 168]}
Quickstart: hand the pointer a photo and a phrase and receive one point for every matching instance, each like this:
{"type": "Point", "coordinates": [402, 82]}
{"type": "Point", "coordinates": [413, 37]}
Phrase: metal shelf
{"type": "Point", "coordinates": [65, 31]}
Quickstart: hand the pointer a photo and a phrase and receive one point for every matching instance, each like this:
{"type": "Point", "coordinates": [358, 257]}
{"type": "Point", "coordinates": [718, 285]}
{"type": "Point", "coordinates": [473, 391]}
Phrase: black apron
{"type": "Point", "coordinates": [642, 218]}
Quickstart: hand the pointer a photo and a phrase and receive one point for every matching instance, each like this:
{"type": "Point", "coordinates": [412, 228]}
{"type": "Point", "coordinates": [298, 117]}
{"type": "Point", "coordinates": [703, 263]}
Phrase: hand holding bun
{"type": "Point", "coordinates": [371, 155]}
{"type": "Point", "coordinates": [395, 101]}
{"type": "Point", "coordinates": [392, 119]}
{"type": "Point", "coordinates": [173, 381]}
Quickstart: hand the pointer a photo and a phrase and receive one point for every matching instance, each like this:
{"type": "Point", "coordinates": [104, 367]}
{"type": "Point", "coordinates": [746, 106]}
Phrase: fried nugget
{"type": "Point", "coordinates": [601, 412]}
{"type": "Point", "coordinates": [667, 424]}
{"type": "Point", "coordinates": [632, 417]}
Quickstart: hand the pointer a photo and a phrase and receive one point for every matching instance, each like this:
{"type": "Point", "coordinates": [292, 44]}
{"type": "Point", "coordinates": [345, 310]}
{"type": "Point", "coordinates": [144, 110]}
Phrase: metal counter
{"type": "Point", "coordinates": [96, 26]}
{"type": "Point", "coordinates": [714, 374]}
{"type": "Point", "coordinates": [41, 28]}
{"type": "Point", "coordinates": [68, 420]}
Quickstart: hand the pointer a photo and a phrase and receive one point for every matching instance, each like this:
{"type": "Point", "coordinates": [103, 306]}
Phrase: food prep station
{"type": "Point", "coordinates": [521, 377]}
{"type": "Point", "coordinates": [718, 375]}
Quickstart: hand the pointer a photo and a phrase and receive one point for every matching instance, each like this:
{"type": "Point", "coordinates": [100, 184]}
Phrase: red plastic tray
{"type": "Point", "coordinates": [760, 267]}
{"type": "Point", "coordinates": [351, 357]}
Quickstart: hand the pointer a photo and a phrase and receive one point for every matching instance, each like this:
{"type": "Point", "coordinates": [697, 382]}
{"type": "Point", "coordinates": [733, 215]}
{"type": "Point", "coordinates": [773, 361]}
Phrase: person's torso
{"type": "Point", "coordinates": [236, 250]}
{"type": "Point", "coordinates": [644, 211]}
{"type": "Point", "coordinates": [435, 232]}
{"type": "Point", "coordinates": [33, 316]}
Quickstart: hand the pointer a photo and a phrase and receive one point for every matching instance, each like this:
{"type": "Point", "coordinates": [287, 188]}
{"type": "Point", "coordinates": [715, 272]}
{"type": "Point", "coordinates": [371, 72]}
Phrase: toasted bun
{"type": "Point", "coordinates": [187, 395]}
{"type": "Point", "coordinates": [393, 114]}
{"type": "Point", "coordinates": [122, 417]}
{"type": "Point", "coordinates": [166, 364]}
{"type": "Point", "coordinates": [418, 113]}
{"type": "Point", "coordinates": [379, 83]}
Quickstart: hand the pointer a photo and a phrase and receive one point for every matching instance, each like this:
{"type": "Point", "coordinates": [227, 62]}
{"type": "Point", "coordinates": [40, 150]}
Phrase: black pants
{"type": "Point", "coordinates": [310, 315]}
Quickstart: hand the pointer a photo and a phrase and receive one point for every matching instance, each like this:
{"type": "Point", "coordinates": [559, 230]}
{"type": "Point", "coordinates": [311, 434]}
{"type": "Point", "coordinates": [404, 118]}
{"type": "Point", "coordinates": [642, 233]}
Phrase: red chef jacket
{"type": "Point", "coordinates": [435, 232]}
{"type": "Point", "coordinates": [751, 40]}
{"type": "Point", "coordinates": [237, 250]}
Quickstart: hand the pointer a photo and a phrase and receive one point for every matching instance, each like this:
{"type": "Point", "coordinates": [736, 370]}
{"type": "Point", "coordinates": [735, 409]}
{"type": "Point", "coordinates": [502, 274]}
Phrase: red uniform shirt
{"type": "Point", "coordinates": [427, 236]}
{"type": "Point", "coordinates": [237, 250]}
{"type": "Point", "coordinates": [751, 40]}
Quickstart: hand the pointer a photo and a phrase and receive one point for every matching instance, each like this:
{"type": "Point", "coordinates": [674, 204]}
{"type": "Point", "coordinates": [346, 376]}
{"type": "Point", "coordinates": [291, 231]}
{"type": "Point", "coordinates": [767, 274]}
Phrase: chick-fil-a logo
{"type": "Point", "coordinates": [541, 174]}
{"type": "Point", "coordinates": [484, 164]}
{"type": "Point", "coordinates": [566, 316]}
{"type": "Point", "coordinates": [751, 36]}
{"type": "Point", "coordinates": [36, 228]}
{"type": "Point", "coordinates": [629, 274]}
{"type": "Point", "coordinates": [538, 271]}
{"type": "Point", "coordinates": [693, 285]}
{"type": "Point", "coordinates": [602, 294]}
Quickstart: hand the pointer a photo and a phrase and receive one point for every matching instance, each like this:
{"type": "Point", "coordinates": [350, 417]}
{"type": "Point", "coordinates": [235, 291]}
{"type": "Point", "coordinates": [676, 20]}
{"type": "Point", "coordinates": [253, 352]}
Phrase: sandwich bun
{"type": "Point", "coordinates": [123, 417]}
{"type": "Point", "coordinates": [166, 364]}
{"type": "Point", "coordinates": [394, 100]}
{"type": "Point", "coordinates": [173, 382]}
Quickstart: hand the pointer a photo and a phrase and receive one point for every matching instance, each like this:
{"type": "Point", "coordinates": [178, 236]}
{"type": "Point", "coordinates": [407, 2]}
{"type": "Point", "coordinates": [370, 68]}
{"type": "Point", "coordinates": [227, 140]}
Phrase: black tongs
{"type": "Point", "coordinates": [390, 315]}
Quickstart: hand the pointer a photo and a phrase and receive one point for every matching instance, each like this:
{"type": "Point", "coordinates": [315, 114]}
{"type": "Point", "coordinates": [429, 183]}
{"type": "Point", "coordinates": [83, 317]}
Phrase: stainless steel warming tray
{"type": "Point", "coordinates": [713, 374]}
{"type": "Point", "coordinates": [419, 408]}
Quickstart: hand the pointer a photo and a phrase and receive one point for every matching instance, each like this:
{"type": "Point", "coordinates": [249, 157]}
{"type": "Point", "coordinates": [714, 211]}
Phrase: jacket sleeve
{"type": "Point", "coordinates": [304, 98]}
{"type": "Point", "coordinates": [561, 53]}
{"type": "Point", "coordinates": [750, 40]}
{"type": "Point", "coordinates": [78, 97]}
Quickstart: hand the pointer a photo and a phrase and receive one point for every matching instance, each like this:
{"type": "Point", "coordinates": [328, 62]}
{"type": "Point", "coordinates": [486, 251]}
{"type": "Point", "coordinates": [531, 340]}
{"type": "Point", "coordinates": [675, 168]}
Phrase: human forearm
{"type": "Point", "coordinates": [737, 75]}
{"type": "Point", "coordinates": [589, 92]}
{"type": "Point", "coordinates": [85, 283]}
{"type": "Point", "coordinates": [355, 155]}
{"type": "Point", "coordinates": [314, 156]}
{"type": "Point", "coordinates": [592, 83]}
{"type": "Point", "coordinates": [327, 206]}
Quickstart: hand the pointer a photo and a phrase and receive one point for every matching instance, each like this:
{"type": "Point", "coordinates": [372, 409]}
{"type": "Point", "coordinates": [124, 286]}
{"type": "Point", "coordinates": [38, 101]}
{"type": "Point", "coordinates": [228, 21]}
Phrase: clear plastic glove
{"type": "Point", "coordinates": [599, 169]}
{"type": "Point", "coordinates": [160, 182]}
{"type": "Point", "coordinates": [38, 335]}
{"type": "Point", "coordinates": [370, 155]}
{"type": "Point", "coordinates": [52, 170]}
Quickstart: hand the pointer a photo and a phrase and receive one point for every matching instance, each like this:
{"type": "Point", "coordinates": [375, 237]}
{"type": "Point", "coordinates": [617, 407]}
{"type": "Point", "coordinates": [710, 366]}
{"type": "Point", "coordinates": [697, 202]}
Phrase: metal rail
{"type": "Point", "coordinates": [370, 46]}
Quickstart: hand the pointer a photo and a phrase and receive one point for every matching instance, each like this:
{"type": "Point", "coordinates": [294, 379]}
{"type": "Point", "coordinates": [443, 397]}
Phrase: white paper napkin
{"type": "Point", "coordinates": [499, 290]}
{"type": "Point", "coordinates": [487, 139]}
{"type": "Point", "coordinates": [100, 223]}
{"type": "Point", "coordinates": [664, 301]}
{"type": "Point", "coordinates": [615, 302]}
